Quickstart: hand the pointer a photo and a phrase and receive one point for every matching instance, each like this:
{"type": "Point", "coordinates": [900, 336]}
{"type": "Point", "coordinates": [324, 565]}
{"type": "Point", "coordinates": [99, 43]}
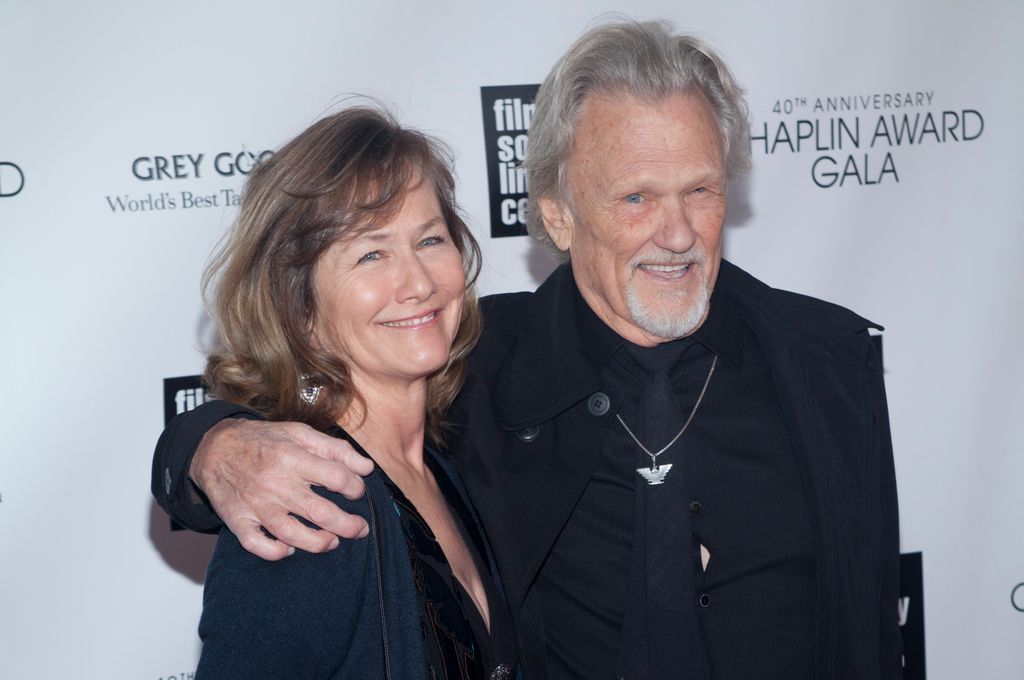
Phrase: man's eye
{"type": "Point", "coordinates": [369, 257]}
{"type": "Point", "coordinates": [634, 198]}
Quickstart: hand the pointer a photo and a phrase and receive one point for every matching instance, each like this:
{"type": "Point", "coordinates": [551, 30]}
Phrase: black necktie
{"type": "Point", "coordinates": [667, 618]}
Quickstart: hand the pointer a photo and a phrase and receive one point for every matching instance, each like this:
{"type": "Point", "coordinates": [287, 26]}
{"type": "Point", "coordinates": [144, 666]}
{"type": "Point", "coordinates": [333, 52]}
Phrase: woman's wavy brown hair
{"type": "Point", "coordinates": [344, 175]}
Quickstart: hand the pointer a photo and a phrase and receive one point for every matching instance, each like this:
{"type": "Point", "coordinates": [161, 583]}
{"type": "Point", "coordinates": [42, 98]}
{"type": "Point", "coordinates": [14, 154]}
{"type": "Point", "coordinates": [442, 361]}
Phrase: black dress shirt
{"type": "Point", "coordinates": [737, 466]}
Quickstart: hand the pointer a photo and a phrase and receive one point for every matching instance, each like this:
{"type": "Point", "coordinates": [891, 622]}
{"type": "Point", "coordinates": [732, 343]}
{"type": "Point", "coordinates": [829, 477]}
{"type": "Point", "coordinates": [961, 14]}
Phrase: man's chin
{"type": "Point", "coordinates": [669, 325]}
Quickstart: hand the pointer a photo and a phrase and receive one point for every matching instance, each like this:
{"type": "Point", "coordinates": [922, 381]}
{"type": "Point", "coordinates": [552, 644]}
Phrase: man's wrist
{"type": "Point", "coordinates": [174, 486]}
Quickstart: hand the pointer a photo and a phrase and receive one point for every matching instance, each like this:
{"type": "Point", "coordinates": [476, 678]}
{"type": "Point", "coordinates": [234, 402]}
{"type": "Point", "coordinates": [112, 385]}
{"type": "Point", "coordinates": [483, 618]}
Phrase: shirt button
{"type": "Point", "coordinates": [598, 404]}
{"type": "Point", "coordinates": [528, 434]}
{"type": "Point", "coordinates": [705, 600]}
{"type": "Point", "coordinates": [695, 507]}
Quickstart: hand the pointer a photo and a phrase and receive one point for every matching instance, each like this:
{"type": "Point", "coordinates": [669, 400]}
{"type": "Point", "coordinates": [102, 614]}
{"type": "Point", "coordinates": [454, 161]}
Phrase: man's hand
{"type": "Point", "coordinates": [255, 473]}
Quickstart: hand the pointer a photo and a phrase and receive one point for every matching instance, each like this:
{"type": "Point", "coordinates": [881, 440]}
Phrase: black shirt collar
{"type": "Point", "coordinates": [723, 331]}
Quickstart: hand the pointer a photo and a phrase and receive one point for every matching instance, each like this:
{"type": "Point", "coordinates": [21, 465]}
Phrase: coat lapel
{"type": "Point", "coordinates": [526, 483]}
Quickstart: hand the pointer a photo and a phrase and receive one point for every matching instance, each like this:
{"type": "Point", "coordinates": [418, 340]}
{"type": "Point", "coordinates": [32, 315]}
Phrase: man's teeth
{"type": "Point", "coordinates": [411, 322]}
{"type": "Point", "coordinates": [667, 268]}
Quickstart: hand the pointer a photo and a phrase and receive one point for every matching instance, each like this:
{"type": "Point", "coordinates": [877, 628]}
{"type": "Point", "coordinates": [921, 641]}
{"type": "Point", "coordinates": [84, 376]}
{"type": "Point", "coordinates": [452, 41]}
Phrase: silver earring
{"type": "Point", "coordinates": [308, 393]}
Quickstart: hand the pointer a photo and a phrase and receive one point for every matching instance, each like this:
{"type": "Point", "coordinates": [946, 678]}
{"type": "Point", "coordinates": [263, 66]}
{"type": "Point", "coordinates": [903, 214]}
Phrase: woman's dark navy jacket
{"type": "Point", "coordinates": [350, 613]}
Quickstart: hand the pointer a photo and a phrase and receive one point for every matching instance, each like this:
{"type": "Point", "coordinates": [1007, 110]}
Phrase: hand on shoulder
{"type": "Point", "coordinates": [258, 474]}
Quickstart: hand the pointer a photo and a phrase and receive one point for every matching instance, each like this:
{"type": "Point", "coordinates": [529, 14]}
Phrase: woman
{"type": "Point", "coordinates": [345, 299]}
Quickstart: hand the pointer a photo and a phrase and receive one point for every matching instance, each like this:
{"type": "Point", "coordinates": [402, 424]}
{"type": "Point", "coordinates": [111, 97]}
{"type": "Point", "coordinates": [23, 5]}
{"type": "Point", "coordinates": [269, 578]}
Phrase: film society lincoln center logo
{"type": "Point", "coordinates": [183, 394]}
{"type": "Point", "coordinates": [508, 110]}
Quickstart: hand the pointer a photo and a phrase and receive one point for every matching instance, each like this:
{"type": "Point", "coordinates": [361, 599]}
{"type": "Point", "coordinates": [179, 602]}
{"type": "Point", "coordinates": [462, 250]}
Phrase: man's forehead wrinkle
{"type": "Point", "coordinates": [597, 140]}
{"type": "Point", "coordinates": [689, 162]}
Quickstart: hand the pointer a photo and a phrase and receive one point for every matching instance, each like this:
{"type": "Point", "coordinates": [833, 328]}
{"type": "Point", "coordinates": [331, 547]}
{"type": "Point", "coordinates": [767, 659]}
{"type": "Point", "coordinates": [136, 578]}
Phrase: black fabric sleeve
{"type": "Point", "coordinates": [171, 487]}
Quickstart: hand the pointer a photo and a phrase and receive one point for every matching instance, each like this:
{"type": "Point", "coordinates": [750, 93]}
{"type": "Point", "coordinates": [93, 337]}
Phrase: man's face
{"type": "Point", "coordinates": [643, 219]}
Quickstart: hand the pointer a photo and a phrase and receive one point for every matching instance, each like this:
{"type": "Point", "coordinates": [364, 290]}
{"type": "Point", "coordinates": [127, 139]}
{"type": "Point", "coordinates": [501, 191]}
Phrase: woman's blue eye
{"type": "Point", "coordinates": [432, 241]}
{"type": "Point", "coordinates": [634, 198]}
{"type": "Point", "coordinates": [369, 257]}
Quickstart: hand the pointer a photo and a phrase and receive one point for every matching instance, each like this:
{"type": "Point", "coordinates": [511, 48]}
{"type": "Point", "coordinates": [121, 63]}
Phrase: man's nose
{"type": "Point", "coordinates": [676, 232]}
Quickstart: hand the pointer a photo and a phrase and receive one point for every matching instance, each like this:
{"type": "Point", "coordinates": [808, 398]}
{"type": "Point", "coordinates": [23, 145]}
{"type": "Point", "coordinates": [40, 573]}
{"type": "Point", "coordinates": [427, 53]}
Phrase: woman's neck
{"type": "Point", "coordinates": [390, 424]}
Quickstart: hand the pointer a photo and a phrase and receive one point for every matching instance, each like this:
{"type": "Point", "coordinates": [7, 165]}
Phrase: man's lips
{"type": "Point", "coordinates": [413, 322]}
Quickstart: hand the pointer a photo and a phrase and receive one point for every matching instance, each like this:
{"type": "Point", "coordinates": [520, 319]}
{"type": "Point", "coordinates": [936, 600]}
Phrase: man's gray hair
{"type": "Point", "coordinates": [646, 60]}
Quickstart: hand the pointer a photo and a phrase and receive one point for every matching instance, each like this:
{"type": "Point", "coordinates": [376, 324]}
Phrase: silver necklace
{"type": "Point", "coordinates": [656, 473]}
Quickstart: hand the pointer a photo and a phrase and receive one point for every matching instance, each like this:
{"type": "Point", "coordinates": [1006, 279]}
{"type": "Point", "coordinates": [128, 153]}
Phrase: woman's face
{"type": "Point", "coordinates": [390, 299]}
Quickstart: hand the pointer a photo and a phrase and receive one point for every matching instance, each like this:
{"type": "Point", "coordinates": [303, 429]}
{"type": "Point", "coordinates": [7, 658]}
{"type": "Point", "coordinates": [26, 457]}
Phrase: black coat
{"type": "Point", "coordinates": [533, 421]}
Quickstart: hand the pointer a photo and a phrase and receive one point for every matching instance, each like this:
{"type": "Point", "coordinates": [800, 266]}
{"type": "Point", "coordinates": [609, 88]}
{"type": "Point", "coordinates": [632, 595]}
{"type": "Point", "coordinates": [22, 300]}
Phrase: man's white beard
{"type": "Point", "coordinates": [676, 315]}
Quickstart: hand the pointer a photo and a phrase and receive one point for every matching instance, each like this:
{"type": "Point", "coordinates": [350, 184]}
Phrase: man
{"type": "Point", "coordinates": [683, 472]}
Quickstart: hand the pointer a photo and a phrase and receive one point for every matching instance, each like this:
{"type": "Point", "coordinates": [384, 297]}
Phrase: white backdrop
{"type": "Point", "coordinates": [100, 303]}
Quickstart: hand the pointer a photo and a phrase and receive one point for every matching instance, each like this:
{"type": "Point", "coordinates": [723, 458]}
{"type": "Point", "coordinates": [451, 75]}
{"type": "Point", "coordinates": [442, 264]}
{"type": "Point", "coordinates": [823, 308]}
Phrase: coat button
{"type": "Point", "coordinates": [705, 600]}
{"type": "Point", "coordinates": [528, 434]}
{"type": "Point", "coordinates": [598, 404]}
{"type": "Point", "coordinates": [695, 507]}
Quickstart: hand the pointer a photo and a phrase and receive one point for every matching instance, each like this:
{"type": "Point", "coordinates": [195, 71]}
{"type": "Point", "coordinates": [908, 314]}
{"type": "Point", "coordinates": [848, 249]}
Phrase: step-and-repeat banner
{"type": "Point", "coordinates": [887, 141]}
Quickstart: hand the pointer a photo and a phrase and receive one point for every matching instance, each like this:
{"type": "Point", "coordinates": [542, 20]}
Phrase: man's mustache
{"type": "Point", "coordinates": [695, 255]}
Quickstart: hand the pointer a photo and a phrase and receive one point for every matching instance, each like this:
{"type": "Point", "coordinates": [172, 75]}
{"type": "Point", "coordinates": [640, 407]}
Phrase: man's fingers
{"type": "Point", "coordinates": [356, 462]}
{"type": "Point", "coordinates": [258, 543]}
{"type": "Point", "coordinates": [333, 519]}
{"type": "Point", "coordinates": [332, 448]}
{"type": "Point", "coordinates": [333, 475]}
{"type": "Point", "coordinates": [291, 531]}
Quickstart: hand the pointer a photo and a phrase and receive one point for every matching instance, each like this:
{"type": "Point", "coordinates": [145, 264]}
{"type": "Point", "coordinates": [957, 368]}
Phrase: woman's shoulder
{"type": "Point", "coordinates": [304, 614]}
{"type": "Point", "coordinates": [370, 506]}
{"type": "Point", "coordinates": [303, 571]}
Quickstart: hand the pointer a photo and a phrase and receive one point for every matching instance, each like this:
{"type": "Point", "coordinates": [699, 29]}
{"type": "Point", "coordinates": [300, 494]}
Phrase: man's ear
{"type": "Point", "coordinates": [558, 222]}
